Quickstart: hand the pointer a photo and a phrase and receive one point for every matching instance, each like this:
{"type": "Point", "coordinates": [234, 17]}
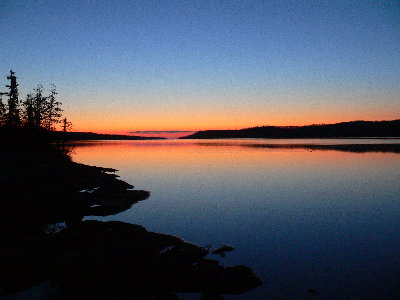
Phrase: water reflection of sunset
{"type": "Point", "coordinates": [232, 155]}
{"type": "Point", "coordinates": [285, 210]}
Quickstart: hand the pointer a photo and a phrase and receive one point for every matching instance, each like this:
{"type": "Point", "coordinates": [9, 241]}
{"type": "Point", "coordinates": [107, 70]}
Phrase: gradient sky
{"type": "Point", "coordinates": [122, 66]}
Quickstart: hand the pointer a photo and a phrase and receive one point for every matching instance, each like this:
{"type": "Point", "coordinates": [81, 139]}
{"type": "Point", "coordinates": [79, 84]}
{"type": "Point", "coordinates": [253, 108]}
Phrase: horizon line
{"type": "Point", "coordinates": [266, 125]}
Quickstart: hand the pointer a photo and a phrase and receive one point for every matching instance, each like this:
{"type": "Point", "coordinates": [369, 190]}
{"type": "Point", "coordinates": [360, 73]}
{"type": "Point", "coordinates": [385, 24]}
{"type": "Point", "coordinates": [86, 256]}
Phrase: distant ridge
{"type": "Point", "coordinates": [74, 136]}
{"type": "Point", "coordinates": [356, 129]}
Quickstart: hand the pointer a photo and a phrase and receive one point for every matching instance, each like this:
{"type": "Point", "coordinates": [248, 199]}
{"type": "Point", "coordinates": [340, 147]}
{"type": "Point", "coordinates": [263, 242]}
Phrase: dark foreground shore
{"type": "Point", "coordinates": [48, 252]}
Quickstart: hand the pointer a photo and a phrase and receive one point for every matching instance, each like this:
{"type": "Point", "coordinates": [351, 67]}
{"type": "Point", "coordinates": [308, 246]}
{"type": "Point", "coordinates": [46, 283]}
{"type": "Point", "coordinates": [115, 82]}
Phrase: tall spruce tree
{"type": "Point", "coordinates": [13, 118]}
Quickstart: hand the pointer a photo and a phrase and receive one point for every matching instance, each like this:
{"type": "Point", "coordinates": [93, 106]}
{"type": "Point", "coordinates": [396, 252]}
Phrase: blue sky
{"type": "Point", "coordinates": [187, 65]}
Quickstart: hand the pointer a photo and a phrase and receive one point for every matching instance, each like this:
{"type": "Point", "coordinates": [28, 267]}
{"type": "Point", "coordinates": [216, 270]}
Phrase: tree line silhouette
{"type": "Point", "coordinates": [339, 130]}
{"type": "Point", "coordinates": [37, 111]}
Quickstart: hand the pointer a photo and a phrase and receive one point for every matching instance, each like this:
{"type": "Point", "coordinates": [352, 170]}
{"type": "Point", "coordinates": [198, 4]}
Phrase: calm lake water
{"type": "Point", "coordinates": [302, 218]}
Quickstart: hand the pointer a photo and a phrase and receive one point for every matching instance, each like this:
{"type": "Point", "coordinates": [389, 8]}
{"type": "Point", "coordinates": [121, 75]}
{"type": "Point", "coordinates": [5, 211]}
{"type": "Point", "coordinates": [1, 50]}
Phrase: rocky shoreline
{"type": "Point", "coordinates": [45, 197]}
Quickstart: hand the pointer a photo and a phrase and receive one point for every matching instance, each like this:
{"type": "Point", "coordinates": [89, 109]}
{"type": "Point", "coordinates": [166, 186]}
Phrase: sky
{"type": "Point", "coordinates": [181, 65]}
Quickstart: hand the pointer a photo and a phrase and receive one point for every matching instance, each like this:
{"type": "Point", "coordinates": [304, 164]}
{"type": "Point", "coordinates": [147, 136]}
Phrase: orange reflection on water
{"type": "Point", "coordinates": [195, 156]}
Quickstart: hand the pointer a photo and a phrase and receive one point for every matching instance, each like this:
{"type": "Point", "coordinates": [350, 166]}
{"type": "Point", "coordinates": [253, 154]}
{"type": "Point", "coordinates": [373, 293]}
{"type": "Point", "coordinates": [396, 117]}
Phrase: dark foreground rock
{"type": "Point", "coordinates": [119, 256]}
{"type": "Point", "coordinates": [100, 259]}
{"type": "Point", "coordinates": [40, 187]}
{"type": "Point", "coordinates": [46, 244]}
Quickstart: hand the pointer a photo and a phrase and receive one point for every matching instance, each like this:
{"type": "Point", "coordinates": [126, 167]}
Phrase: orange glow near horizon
{"type": "Point", "coordinates": [123, 122]}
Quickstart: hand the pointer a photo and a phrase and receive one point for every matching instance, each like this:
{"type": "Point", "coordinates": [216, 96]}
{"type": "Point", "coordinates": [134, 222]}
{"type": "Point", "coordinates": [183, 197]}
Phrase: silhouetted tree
{"type": "Point", "coordinates": [2, 110]}
{"type": "Point", "coordinates": [39, 107]}
{"type": "Point", "coordinates": [53, 109]}
{"type": "Point", "coordinates": [37, 111]}
{"type": "Point", "coordinates": [66, 126]}
{"type": "Point", "coordinates": [12, 116]}
{"type": "Point", "coordinates": [28, 116]}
